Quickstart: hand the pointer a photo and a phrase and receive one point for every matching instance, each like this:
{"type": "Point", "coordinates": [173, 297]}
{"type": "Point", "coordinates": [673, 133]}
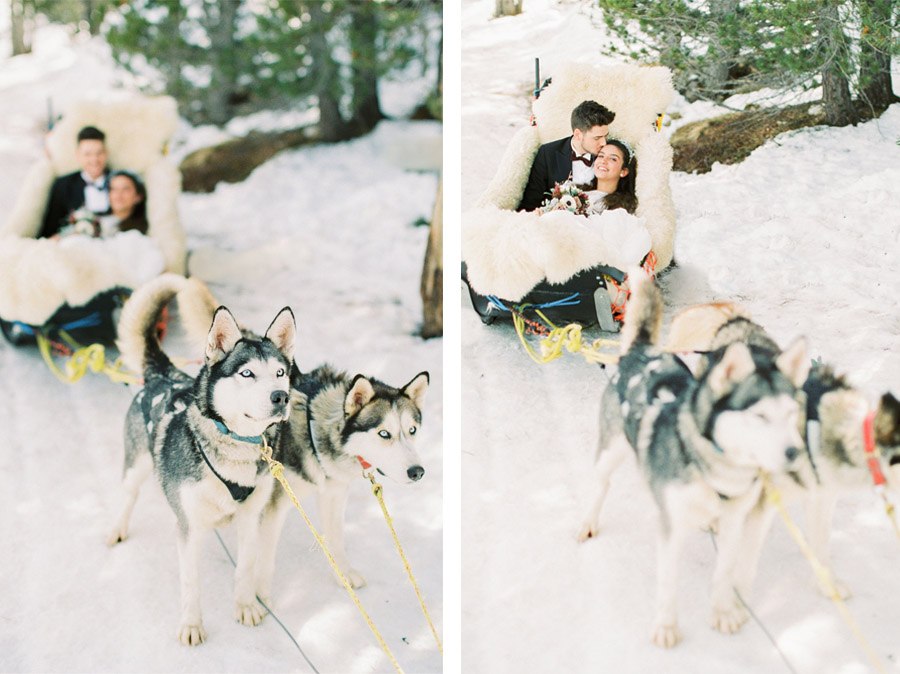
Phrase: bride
{"type": "Point", "coordinates": [609, 204]}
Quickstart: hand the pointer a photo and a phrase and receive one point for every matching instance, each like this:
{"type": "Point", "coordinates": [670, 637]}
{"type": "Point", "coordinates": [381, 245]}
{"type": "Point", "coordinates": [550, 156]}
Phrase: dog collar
{"type": "Point", "coordinates": [223, 429]}
{"type": "Point", "coordinates": [871, 451]}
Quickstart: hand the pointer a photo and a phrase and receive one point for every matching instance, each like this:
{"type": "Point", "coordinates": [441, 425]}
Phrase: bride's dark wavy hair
{"type": "Point", "coordinates": [624, 196]}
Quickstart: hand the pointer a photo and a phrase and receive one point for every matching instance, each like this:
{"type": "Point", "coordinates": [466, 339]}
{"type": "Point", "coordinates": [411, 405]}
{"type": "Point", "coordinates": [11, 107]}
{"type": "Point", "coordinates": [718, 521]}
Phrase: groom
{"type": "Point", "coordinates": [88, 188]}
{"type": "Point", "coordinates": [557, 161]}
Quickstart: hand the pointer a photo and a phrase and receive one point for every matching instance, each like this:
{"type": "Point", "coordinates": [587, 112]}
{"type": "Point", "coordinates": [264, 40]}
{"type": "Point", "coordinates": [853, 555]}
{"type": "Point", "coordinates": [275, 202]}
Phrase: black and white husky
{"type": "Point", "coordinates": [341, 426]}
{"type": "Point", "coordinates": [701, 444]}
{"type": "Point", "coordinates": [203, 437]}
{"type": "Point", "coordinates": [849, 445]}
{"type": "Point", "coordinates": [338, 427]}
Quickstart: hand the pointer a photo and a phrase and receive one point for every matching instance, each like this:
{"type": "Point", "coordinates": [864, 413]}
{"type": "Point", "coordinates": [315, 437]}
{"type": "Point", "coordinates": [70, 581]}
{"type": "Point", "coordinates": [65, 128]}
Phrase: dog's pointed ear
{"type": "Point", "coordinates": [794, 362]}
{"type": "Point", "coordinates": [283, 332]}
{"type": "Point", "coordinates": [360, 393]}
{"type": "Point", "coordinates": [736, 365]}
{"type": "Point", "coordinates": [222, 337]}
{"type": "Point", "coordinates": [887, 421]}
{"type": "Point", "coordinates": [416, 388]}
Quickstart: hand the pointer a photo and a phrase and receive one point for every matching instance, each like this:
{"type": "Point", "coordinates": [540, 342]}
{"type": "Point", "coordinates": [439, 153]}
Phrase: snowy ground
{"type": "Point", "coordinates": [327, 230]}
{"type": "Point", "coordinates": [805, 234]}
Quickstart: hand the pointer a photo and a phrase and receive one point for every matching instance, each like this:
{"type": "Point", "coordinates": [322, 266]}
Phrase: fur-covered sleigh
{"type": "Point", "coordinates": [522, 258]}
{"type": "Point", "coordinates": [48, 285]}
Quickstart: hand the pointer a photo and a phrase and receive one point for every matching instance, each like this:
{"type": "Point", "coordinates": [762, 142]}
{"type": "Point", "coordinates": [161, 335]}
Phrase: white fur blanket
{"type": "Point", "coordinates": [37, 276]}
{"type": "Point", "coordinates": [507, 253]}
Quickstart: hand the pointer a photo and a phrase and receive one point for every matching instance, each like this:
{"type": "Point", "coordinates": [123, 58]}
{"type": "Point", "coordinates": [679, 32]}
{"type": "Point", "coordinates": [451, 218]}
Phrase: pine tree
{"type": "Point", "coordinates": [718, 47]}
{"type": "Point", "coordinates": [220, 58]}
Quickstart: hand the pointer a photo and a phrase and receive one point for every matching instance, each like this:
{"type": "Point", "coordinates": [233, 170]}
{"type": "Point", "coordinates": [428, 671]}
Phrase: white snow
{"type": "Point", "coordinates": [328, 230]}
{"type": "Point", "coordinates": [805, 234]}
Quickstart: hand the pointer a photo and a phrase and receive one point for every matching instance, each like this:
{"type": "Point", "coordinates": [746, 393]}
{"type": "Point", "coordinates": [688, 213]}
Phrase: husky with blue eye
{"type": "Point", "coordinates": [203, 436]}
{"type": "Point", "coordinates": [340, 427]}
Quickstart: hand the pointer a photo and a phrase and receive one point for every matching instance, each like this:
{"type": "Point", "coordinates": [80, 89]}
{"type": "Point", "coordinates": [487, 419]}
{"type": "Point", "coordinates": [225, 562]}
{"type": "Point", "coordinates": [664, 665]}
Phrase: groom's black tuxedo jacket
{"type": "Point", "coordinates": [66, 195]}
{"type": "Point", "coordinates": [552, 165]}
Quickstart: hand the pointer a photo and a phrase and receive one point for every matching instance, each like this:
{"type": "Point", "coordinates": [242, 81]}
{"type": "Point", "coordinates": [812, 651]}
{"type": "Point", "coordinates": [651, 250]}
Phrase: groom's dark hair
{"type": "Point", "coordinates": [589, 114]}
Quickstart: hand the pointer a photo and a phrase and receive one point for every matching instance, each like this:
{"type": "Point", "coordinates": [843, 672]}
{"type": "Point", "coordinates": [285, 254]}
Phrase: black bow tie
{"type": "Point", "coordinates": [99, 184]}
{"type": "Point", "coordinates": [584, 159]}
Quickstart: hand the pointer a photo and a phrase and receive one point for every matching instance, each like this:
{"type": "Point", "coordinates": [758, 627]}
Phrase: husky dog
{"type": "Point", "coordinates": [848, 446]}
{"type": "Point", "coordinates": [339, 428]}
{"type": "Point", "coordinates": [203, 436]}
{"type": "Point", "coordinates": [700, 442]}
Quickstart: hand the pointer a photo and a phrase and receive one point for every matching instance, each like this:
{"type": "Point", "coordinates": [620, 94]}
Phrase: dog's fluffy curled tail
{"type": "Point", "coordinates": [644, 312]}
{"type": "Point", "coordinates": [137, 340]}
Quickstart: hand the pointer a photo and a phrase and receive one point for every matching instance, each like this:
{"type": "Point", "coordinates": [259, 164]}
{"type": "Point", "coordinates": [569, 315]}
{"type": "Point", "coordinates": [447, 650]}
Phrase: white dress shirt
{"type": "Point", "coordinates": [96, 193]}
{"type": "Point", "coordinates": [581, 174]}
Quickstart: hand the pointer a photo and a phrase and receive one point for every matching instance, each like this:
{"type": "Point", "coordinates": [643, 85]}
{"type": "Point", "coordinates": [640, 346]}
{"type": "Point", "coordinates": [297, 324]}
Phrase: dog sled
{"type": "Point", "coordinates": [558, 269]}
{"type": "Point", "coordinates": [68, 290]}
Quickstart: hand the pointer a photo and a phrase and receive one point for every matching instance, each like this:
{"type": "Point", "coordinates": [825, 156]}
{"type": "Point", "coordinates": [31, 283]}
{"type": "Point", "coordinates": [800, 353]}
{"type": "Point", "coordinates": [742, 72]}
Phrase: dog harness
{"type": "Point", "coordinates": [238, 492]}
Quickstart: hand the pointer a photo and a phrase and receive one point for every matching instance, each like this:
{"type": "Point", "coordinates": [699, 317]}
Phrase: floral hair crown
{"type": "Point", "coordinates": [627, 146]}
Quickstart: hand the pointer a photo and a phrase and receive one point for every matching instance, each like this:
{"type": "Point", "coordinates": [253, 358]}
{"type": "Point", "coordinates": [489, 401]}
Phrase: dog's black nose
{"type": "Point", "coordinates": [280, 397]}
{"type": "Point", "coordinates": [415, 473]}
{"type": "Point", "coordinates": [791, 453]}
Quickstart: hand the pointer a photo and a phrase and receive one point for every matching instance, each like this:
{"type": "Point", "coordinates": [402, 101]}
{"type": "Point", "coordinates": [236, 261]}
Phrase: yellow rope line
{"type": "Point", "coordinates": [84, 359]}
{"type": "Point", "coordinates": [822, 573]}
{"type": "Point", "coordinates": [377, 490]}
{"type": "Point", "coordinates": [889, 509]}
{"type": "Point", "coordinates": [568, 338]}
{"type": "Point", "coordinates": [277, 470]}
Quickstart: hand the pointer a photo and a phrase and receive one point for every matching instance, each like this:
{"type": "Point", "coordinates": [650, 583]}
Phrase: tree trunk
{"type": "Point", "coordinates": [332, 126]}
{"type": "Point", "coordinates": [721, 53]}
{"type": "Point", "coordinates": [21, 39]}
{"type": "Point", "coordinates": [875, 54]}
{"type": "Point", "coordinates": [221, 23]}
{"type": "Point", "coordinates": [93, 14]}
{"type": "Point", "coordinates": [432, 286]}
{"type": "Point", "coordinates": [507, 7]}
{"type": "Point", "coordinates": [839, 109]}
{"type": "Point", "coordinates": [364, 67]}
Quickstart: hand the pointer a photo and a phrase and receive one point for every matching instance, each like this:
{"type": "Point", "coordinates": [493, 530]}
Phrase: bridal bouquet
{"type": "Point", "coordinates": [83, 222]}
{"type": "Point", "coordinates": [567, 197]}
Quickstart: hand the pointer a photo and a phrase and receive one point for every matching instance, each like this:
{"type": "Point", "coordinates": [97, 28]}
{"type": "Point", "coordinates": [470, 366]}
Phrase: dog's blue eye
{"type": "Point", "coordinates": [412, 430]}
{"type": "Point", "coordinates": [384, 434]}
{"type": "Point", "coordinates": [245, 373]}
{"type": "Point", "coordinates": [280, 372]}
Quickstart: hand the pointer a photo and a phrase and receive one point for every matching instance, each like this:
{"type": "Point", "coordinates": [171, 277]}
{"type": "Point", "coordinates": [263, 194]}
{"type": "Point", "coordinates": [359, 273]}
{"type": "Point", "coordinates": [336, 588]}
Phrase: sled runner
{"type": "Point", "coordinates": [525, 262]}
{"type": "Point", "coordinates": [72, 286]}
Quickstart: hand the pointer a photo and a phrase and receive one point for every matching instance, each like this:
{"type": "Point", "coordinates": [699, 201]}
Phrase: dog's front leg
{"type": "Point", "coordinates": [332, 501]}
{"type": "Point", "coordinates": [820, 506]}
{"type": "Point", "coordinates": [270, 526]}
{"type": "Point", "coordinates": [247, 610]}
{"type": "Point", "coordinates": [728, 612]}
{"type": "Point", "coordinates": [191, 631]}
{"type": "Point", "coordinates": [668, 555]}
{"type": "Point", "coordinates": [756, 528]}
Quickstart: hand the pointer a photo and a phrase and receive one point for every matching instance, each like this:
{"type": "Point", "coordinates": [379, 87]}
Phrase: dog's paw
{"type": "Point", "coordinates": [826, 591]}
{"type": "Point", "coordinates": [191, 635]}
{"type": "Point", "coordinates": [249, 614]}
{"type": "Point", "coordinates": [729, 621]}
{"type": "Point", "coordinates": [665, 636]}
{"type": "Point", "coordinates": [587, 530]}
{"type": "Point", "coordinates": [117, 535]}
